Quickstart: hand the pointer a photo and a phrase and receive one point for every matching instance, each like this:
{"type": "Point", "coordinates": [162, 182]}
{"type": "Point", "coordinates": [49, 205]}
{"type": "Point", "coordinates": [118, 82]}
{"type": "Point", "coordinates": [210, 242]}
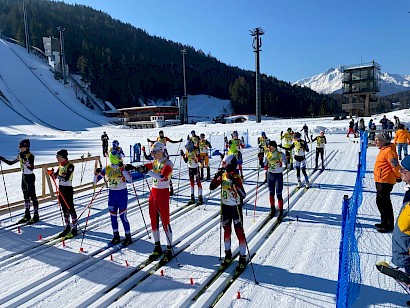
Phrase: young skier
{"type": "Point", "coordinates": [26, 160]}
{"type": "Point", "coordinates": [351, 129]}
{"type": "Point", "coordinates": [301, 147]}
{"type": "Point", "coordinates": [204, 146]}
{"type": "Point", "coordinates": [191, 158]}
{"type": "Point", "coordinates": [273, 163]}
{"type": "Point", "coordinates": [234, 147]}
{"type": "Point", "coordinates": [320, 148]}
{"type": "Point", "coordinates": [263, 143]}
{"type": "Point", "coordinates": [163, 139]}
{"type": "Point", "coordinates": [64, 175]}
{"type": "Point", "coordinates": [288, 136]}
{"type": "Point", "coordinates": [117, 196]}
{"type": "Point", "coordinates": [104, 139]}
{"type": "Point", "coordinates": [232, 196]}
{"type": "Point", "coordinates": [305, 130]}
{"type": "Point", "coordinates": [160, 170]}
{"type": "Point", "coordinates": [116, 150]}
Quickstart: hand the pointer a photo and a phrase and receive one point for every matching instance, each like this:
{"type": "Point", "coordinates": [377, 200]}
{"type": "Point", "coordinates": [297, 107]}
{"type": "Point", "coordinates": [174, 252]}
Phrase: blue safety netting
{"type": "Point", "coordinates": [349, 277]}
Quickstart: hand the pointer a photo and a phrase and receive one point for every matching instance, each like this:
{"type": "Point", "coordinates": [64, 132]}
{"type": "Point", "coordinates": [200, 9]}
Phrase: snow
{"type": "Point", "coordinates": [296, 263]}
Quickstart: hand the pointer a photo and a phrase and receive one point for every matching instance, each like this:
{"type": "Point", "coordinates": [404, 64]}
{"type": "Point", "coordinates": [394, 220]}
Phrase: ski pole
{"type": "Point", "coordinates": [58, 197]}
{"type": "Point", "coordinates": [246, 241]}
{"type": "Point", "coordinates": [256, 194]}
{"type": "Point", "coordinates": [206, 201]}
{"type": "Point", "coordinates": [220, 233]}
{"type": "Point", "coordinates": [287, 184]}
{"type": "Point", "coordinates": [86, 221]}
{"type": "Point", "coordinates": [139, 205]}
{"type": "Point", "coordinates": [91, 201]}
{"type": "Point", "coordinates": [179, 176]}
{"type": "Point", "coordinates": [85, 166]}
{"type": "Point", "coordinates": [5, 188]}
{"type": "Point", "coordinates": [82, 167]}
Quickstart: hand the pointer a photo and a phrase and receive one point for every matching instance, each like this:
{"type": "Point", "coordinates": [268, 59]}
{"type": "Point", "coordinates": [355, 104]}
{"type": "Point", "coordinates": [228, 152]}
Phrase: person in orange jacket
{"type": "Point", "coordinates": [401, 140]}
{"type": "Point", "coordinates": [386, 174]}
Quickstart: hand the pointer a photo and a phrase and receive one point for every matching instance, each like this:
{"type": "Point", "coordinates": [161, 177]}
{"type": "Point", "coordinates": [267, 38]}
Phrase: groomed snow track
{"type": "Point", "coordinates": [102, 276]}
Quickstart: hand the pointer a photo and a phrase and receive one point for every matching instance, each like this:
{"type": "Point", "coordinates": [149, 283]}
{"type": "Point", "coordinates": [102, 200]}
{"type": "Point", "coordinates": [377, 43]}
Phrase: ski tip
{"type": "Point", "coordinates": [383, 263]}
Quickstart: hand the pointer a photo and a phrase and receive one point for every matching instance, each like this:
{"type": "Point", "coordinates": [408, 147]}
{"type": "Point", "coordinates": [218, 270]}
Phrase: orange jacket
{"type": "Point", "coordinates": [402, 136]}
{"type": "Point", "coordinates": [386, 168]}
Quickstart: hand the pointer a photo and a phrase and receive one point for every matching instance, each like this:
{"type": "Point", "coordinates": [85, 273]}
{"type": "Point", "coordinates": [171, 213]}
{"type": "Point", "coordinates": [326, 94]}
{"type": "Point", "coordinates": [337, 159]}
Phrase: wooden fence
{"type": "Point", "coordinates": [47, 188]}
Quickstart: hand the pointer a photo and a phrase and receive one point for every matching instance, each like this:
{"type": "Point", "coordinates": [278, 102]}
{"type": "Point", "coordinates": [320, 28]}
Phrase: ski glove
{"type": "Point", "coordinates": [141, 169]}
{"type": "Point", "coordinates": [180, 140]}
{"type": "Point", "coordinates": [182, 153]}
{"type": "Point", "coordinates": [50, 172]}
{"type": "Point", "coordinates": [398, 180]}
{"type": "Point", "coordinates": [97, 171]}
{"type": "Point", "coordinates": [129, 167]}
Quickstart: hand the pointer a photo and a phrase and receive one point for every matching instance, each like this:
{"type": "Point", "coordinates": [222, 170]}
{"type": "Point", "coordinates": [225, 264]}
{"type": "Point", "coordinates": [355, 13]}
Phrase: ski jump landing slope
{"type": "Point", "coordinates": [27, 87]}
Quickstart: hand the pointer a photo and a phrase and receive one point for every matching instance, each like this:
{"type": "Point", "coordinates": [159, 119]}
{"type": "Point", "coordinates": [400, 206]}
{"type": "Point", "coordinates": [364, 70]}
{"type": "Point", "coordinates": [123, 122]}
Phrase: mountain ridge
{"type": "Point", "coordinates": [331, 82]}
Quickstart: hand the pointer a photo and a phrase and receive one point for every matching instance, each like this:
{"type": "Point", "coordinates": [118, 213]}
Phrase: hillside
{"type": "Point", "coordinates": [127, 66]}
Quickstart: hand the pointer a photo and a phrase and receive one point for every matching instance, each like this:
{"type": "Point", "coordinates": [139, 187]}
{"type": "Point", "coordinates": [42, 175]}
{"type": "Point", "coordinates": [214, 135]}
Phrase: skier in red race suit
{"type": "Point", "coordinates": [160, 169]}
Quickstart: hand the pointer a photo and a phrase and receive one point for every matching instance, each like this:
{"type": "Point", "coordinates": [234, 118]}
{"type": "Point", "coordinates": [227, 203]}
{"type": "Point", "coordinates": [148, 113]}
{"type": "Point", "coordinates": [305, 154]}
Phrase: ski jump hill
{"type": "Point", "coordinates": [29, 94]}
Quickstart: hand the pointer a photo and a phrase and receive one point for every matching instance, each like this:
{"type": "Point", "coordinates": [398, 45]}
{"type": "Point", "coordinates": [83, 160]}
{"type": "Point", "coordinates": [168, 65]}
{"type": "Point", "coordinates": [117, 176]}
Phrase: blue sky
{"type": "Point", "coordinates": [302, 37]}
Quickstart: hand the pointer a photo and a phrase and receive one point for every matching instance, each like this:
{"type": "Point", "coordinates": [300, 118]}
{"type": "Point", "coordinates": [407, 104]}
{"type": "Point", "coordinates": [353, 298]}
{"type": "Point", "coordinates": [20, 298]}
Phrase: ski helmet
{"type": "Point", "coordinates": [63, 153]}
{"type": "Point", "coordinates": [263, 134]}
{"type": "Point", "coordinates": [24, 143]}
{"type": "Point", "coordinates": [289, 129]}
{"type": "Point", "coordinates": [322, 132]}
{"type": "Point", "coordinates": [273, 143]}
{"type": "Point", "coordinates": [161, 133]}
{"type": "Point", "coordinates": [297, 135]}
{"type": "Point", "coordinates": [115, 144]}
{"type": "Point", "coordinates": [157, 147]}
{"type": "Point", "coordinates": [189, 145]}
{"type": "Point", "coordinates": [192, 132]}
{"type": "Point", "coordinates": [235, 133]}
{"type": "Point", "coordinates": [230, 162]}
{"type": "Point", "coordinates": [202, 135]}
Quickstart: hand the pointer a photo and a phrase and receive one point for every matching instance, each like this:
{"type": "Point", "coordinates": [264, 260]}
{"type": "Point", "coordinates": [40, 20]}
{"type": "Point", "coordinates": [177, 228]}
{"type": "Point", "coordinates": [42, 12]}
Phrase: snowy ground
{"type": "Point", "coordinates": [295, 262]}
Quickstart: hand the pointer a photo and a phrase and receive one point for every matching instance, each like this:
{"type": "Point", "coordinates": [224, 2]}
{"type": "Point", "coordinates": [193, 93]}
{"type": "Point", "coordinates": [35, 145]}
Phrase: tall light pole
{"type": "Point", "coordinates": [183, 51]}
{"type": "Point", "coordinates": [26, 27]}
{"type": "Point", "coordinates": [62, 55]}
{"type": "Point", "coordinates": [257, 44]}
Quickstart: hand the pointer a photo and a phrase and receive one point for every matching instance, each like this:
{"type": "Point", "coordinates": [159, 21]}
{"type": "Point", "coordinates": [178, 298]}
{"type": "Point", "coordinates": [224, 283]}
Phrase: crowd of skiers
{"type": "Point", "coordinates": [159, 167]}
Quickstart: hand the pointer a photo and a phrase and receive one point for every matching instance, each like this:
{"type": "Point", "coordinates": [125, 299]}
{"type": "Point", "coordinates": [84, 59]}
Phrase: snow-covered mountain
{"type": "Point", "coordinates": [331, 82]}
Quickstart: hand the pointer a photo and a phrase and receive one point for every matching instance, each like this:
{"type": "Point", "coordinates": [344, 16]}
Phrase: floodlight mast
{"type": "Point", "coordinates": [257, 44]}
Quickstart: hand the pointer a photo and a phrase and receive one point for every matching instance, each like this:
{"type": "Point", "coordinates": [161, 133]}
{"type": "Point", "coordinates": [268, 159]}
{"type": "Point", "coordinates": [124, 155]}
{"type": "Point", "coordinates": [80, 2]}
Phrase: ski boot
{"type": "Point", "coordinates": [200, 201]}
{"type": "Point", "coordinates": [241, 263]}
{"type": "Point", "coordinates": [280, 216]}
{"type": "Point", "coordinates": [272, 212]}
{"type": "Point", "coordinates": [299, 184]}
{"type": "Point", "coordinates": [316, 167]}
{"type": "Point", "coordinates": [127, 241]}
{"type": "Point", "coordinates": [156, 253]}
{"type": "Point", "coordinates": [171, 189]}
{"type": "Point", "coordinates": [72, 233]}
{"type": "Point", "coordinates": [65, 232]}
{"type": "Point", "coordinates": [115, 240]}
{"type": "Point", "coordinates": [227, 260]}
{"type": "Point", "coordinates": [35, 218]}
{"type": "Point", "coordinates": [192, 201]}
{"type": "Point", "coordinates": [307, 185]}
{"type": "Point", "coordinates": [167, 255]}
{"type": "Point", "coordinates": [26, 218]}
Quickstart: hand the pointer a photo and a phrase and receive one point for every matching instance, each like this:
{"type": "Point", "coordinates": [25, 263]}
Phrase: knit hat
{"type": "Point", "coordinates": [405, 163]}
{"type": "Point", "coordinates": [63, 153]}
{"type": "Point", "coordinates": [383, 138]}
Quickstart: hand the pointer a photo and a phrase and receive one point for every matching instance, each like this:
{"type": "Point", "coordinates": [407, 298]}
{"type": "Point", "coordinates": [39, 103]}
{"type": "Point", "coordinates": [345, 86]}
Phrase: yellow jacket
{"type": "Point", "coordinates": [402, 136]}
{"type": "Point", "coordinates": [386, 168]}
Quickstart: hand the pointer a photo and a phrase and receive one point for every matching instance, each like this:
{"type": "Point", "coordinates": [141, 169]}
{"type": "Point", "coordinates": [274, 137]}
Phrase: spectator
{"type": "Point", "coordinates": [386, 173]}
{"type": "Point", "coordinates": [401, 140]}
